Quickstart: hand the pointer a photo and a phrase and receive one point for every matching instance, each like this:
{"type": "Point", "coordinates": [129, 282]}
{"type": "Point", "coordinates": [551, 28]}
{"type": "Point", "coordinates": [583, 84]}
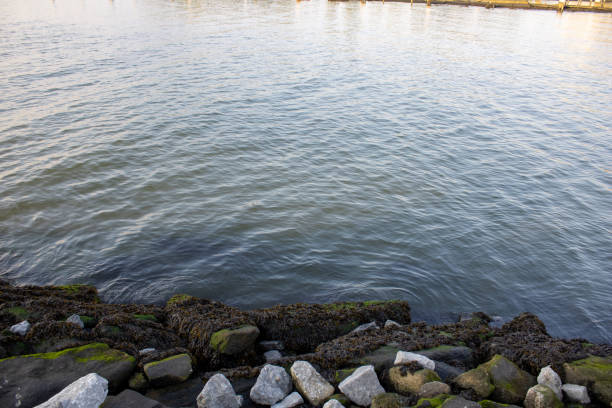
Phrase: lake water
{"type": "Point", "coordinates": [265, 152]}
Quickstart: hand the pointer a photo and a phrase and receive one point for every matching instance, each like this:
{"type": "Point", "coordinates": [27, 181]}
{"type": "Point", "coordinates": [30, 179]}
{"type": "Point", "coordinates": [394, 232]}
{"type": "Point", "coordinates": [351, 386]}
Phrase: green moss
{"type": "Point", "coordinates": [154, 363]}
{"type": "Point", "coordinates": [492, 404]}
{"type": "Point", "coordinates": [180, 298]}
{"type": "Point", "coordinates": [19, 312]}
{"type": "Point", "coordinates": [340, 306]}
{"type": "Point", "coordinates": [435, 402]}
{"type": "Point", "coordinates": [592, 368]}
{"type": "Point", "coordinates": [341, 398]}
{"type": "Point", "coordinates": [379, 302]}
{"type": "Point", "coordinates": [217, 339]}
{"type": "Point", "coordinates": [72, 288]}
{"type": "Point", "coordinates": [88, 352]}
{"type": "Point", "coordinates": [149, 317]}
{"type": "Point", "coordinates": [342, 374]}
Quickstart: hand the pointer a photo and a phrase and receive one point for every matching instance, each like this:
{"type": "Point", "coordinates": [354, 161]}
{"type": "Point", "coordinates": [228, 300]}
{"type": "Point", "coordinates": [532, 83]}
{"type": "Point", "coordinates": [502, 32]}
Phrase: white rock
{"type": "Point", "coordinates": [272, 385]}
{"type": "Point", "coordinates": [549, 378]}
{"type": "Point", "coordinates": [86, 392]}
{"type": "Point", "coordinates": [76, 319]}
{"type": "Point", "coordinates": [333, 403]}
{"type": "Point", "coordinates": [361, 386]}
{"type": "Point", "coordinates": [272, 356]}
{"type": "Point", "coordinates": [20, 328]}
{"type": "Point", "coordinates": [576, 393]}
{"type": "Point", "coordinates": [310, 383]}
{"type": "Point", "coordinates": [218, 393]}
{"type": "Point", "coordinates": [146, 351]}
{"type": "Point", "coordinates": [366, 326]}
{"type": "Point", "coordinates": [292, 400]}
{"type": "Point", "coordinates": [391, 323]}
{"type": "Point", "coordinates": [404, 357]}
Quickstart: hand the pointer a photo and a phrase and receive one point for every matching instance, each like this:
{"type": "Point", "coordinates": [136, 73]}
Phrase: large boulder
{"type": "Point", "coordinates": [576, 393]}
{"type": "Point", "coordinates": [361, 386]}
{"type": "Point", "coordinates": [218, 393]}
{"type": "Point", "coordinates": [171, 370]}
{"type": "Point", "coordinates": [310, 383]}
{"type": "Point", "coordinates": [511, 383]}
{"type": "Point", "coordinates": [131, 399]}
{"type": "Point", "coordinates": [541, 396]}
{"type": "Point", "coordinates": [234, 341]}
{"type": "Point", "coordinates": [86, 392]}
{"type": "Point", "coordinates": [32, 379]}
{"type": "Point", "coordinates": [593, 372]}
{"type": "Point", "coordinates": [405, 382]}
{"type": "Point", "coordinates": [272, 385]}
{"type": "Point", "coordinates": [477, 380]}
{"type": "Point", "coordinates": [551, 379]}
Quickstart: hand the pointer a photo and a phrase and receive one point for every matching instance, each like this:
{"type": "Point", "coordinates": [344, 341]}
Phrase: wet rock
{"type": "Point", "coordinates": [178, 395]}
{"type": "Point", "coordinates": [551, 379]}
{"type": "Point", "coordinates": [234, 341]}
{"type": "Point", "coordinates": [361, 386]}
{"type": "Point", "coordinates": [171, 370]}
{"type": "Point", "coordinates": [272, 356]}
{"type": "Point", "coordinates": [20, 328]}
{"type": "Point", "coordinates": [87, 392]}
{"type": "Point", "coordinates": [272, 385]}
{"type": "Point", "coordinates": [381, 358]}
{"type": "Point", "coordinates": [477, 380]}
{"type": "Point", "coordinates": [458, 402]}
{"type": "Point", "coordinates": [365, 326]}
{"type": "Point", "coordinates": [455, 355]}
{"type": "Point", "coordinates": [540, 396]}
{"type": "Point", "coordinates": [576, 393]}
{"type": "Point", "coordinates": [405, 382]}
{"type": "Point", "coordinates": [511, 383]}
{"type": "Point", "coordinates": [431, 389]}
{"type": "Point", "coordinates": [310, 383]}
{"type": "Point", "coordinates": [391, 324]}
{"type": "Point", "coordinates": [292, 400]}
{"type": "Point", "coordinates": [131, 399]}
{"type": "Point", "coordinates": [218, 393]}
{"type": "Point", "coordinates": [270, 345]}
{"type": "Point", "coordinates": [145, 351]}
{"type": "Point", "coordinates": [333, 403]}
{"type": "Point", "coordinates": [447, 372]}
{"type": "Point", "coordinates": [593, 372]}
{"type": "Point", "coordinates": [32, 379]}
{"type": "Point", "coordinates": [76, 319]}
{"type": "Point", "coordinates": [138, 382]}
{"type": "Point", "coordinates": [404, 357]}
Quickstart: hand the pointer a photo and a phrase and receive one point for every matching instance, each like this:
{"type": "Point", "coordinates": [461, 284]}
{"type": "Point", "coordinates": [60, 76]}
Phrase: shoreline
{"type": "Point", "coordinates": [217, 338]}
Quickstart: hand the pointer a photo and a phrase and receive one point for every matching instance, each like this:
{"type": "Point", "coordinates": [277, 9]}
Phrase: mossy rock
{"type": "Point", "coordinates": [540, 396]}
{"type": "Point", "coordinates": [179, 299]}
{"type": "Point", "coordinates": [110, 331]}
{"type": "Point", "coordinates": [404, 382]}
{"type": "Point", "coordinates": [435, 402]}
{"type": "Point", "coordinates": [171, 370]}
{"type": "Point", "coordinates": [387, 400]}
{"type": "Point", "coordinates": [341, 374]}
{"type": "Point", "coordinates": [88, 321]}
{"type": "Point", "coordinates": [138, 382]}
{"type": "Point", "coordinates": [593, 372]}
{"type": "Point", "coordinates": [459, 402]}
{"type": "Point", "coordinates": [341, 398]}
{"type": "Point", "coordinates": [149, 317]}
{"type": "Point", "coordinates": [493, 404]}
{"type": "Point", "coordinates": [234, 341]}
{"type": "Point", "coordinates": [477, 380]}
{"type": "Point", "coordinates": [511, 383]}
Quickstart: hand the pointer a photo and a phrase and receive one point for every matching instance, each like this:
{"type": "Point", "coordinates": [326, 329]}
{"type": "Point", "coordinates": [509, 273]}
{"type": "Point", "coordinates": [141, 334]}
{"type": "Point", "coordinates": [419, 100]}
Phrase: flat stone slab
{"type": "Point", "coordinates": [171, 370]}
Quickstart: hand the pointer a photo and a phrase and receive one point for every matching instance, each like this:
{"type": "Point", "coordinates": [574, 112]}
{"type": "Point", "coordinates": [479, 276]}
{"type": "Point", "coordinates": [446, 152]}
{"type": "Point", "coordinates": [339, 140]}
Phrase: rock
{"type": "Point", "coordinates": [593, 372]}
{"type": "Point", "coordinates": [76, 319]}
{"type": "Point", "coordinates": [310, 383]}
{"type": "Point", "coordinates": [540, 396]}
{"type": "Point", "coordinates": [431, 389]}
{"type": "Point", "coordinates": [477, 380]}
{"type": "Point", "coordinates": [435, 402]}
{"type": "Point", "coordinates": [269, 345]}
{"type": "Point", "coordinates": [34, 378]}
{"type": "Point", "coordinates": [511, 383]}
{"type": "Point", "coordinates": [458, 402]}
{"type": "Point", "coordinates": [218, 393]}
{"type": "Point", "coordinates": [131, 399]}
{"type": "Point", "coordinates": [87, 392]}
{"type": "Point", "coordinates": [404, 357]}
{"type": "Point", "coordinates": [138, 382]}
{"type": "Point", "coordinates": [576, 393]}
{"type": "Point", "coordinates": [343, 374]}
{"type": "Point", "coordinates": [88, 321]}
{"type": "Point", "coordinates": [234, 341]}
{"type": "Point", "coordinates": [364, 327]}
{"type": "Point", "coordinates": [389, 400]}
{"type": "Point", "coordinates": [404, 382]}
{"type": "Point", "coordinates": [272, 356]}
{"type": "Point", "coordinates": [20, 328]}
{"type": "Point", "coordinates": [455, 355]}
{"type": "Point", "coordinates": [273, 384]}
{"type": "Point", "coordinates": [292, 400]}
{"type": "Point", "coordinates": [183, 394]}
{"type": "Point", "coordinates": [391, 324]}
{"type": "Point", "coordinates": [361, 386]}
{"type": "Point", "coordinates": [381, 358]}
{"type": "Point", "coordinates": [493, 404]}
{"type": "Point", "coordinates": [332, 403]}
{"type": "Point", "coordinates": [341, 399]}
{"type": "Point", "coordinates": [171, 370]}
{"type": "Point", "coordinates": [447, 372]}
{"type": "Point", "coordinates": [145, 351]}
{"type": "Point", "coordinates": [551, 379]}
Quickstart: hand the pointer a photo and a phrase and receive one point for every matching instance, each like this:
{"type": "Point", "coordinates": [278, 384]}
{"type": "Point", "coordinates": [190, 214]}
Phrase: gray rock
{"type": "Point", "coordinates": [361, 386]}
{"type": "Point", "coordinates": [458, 402]}
{"type": "Point", "coordinates": [364, 327]}
{"type": "Point", "coordinates": [234, 341]}
{"type": "Point", "coordinates": [30, 380]}
{"type": "Point", "coordinates": [391, 324]}
{"type": "Point", "coordinates": [333, 403]}
{"type": "Point", "coordinates": [131, 399]}
{"type": "Point", "coordinates": [576, 393]}
{"type": "Point", "coordinates": [272, 345]}
{"type": "Point", "coordinates": [381, 358]}
{"type": "Point", "coordinates": [447, 372]}
{"type": "Point", "coordinates": [292, 400]}
{"type": "Point", "coordinates": [404, 357]}
{"type": "Point", "coordinates": [178, 395]}
{"type": "Point", "coordinates": [431, 389]}
{"type": "Point", "coordinates": [511, 383]}
{"type": "Point", "coordinates": [171, 370]}
{"type": "Point", "coordinates": [455, 355]}
{"type": "Point", "coordinates": [145, 351]}
{"type": "Point", "coordinates": [310, 383]}
{"type": "Point", "coordinates": [20, 328]}
{"type": "Point", "coordinates": [540, 396]}
{"type": "Point", "coordinates": [218, 393]}
{"type": "Point", "coordinates": [86, 392]}
{"type": "Point", "coordinates": [551, 379]}
{"type": "Point", "coordinates": [272, 356]}
{"type": "Point", "coordinates": [273, 384]}
{"type": "Point", "coordinates": [76, 319]}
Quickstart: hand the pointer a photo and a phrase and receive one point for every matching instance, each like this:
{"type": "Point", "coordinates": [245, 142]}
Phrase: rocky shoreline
{"type": "Point", "coordinates": [61, 346]}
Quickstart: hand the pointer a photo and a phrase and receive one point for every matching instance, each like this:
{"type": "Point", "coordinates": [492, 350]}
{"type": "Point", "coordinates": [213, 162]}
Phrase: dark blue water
{"type": "Point", "coordinates": [274, 152]}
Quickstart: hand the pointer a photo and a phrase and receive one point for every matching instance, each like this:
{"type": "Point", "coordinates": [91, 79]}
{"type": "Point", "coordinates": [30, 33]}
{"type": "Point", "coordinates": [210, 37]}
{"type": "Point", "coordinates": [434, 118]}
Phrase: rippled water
{"type": "Point", "coordinates": [261, 152]}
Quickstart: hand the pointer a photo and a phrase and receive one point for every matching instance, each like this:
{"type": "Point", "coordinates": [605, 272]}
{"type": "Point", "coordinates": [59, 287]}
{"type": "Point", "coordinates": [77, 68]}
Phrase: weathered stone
{"type": "Point", "coordinates": [540, 396]}
{"type": "Point", "coordinates": [594, 372]}
{"type": "Point", "coordinates": [32, 379]}
{"type": "Point", "coordinates": [511, 383]}
{"type": "Point", "coordinates": [333, 403]}
{"type": "Point", "coordinates": [272, 356]}
{"type": "Point", "coordinates": [458, 402]}
{"type": "Point", "coordinates": [234, 341]}
{"type": "Point", "coordinates": [433, 388]}
{"type": "Point", "coordinates": [551, 379]}
{"type": "Point", "coordinates": [310, 383]}
{"type": "Point", "coordinates": [76, 319]}
{"type": "Point", "coordinates": [389, 400]}
{"type": "Point", "coordinates": [343, 374]}
{"type": "Point", "coordinates": [273, 384]}
{"type": "Point", "coordinates": [218, 393]}
{"type": "Point", "coordinates": [131, 399]}
{"type": "Point", "coordinates": [447, 372]}
{"type": "Point", "coordinates": [292, 400]}
{"type": "Point", "coordinates": [145, 351]}
{"type": "Point", "coordinates": [341, 399]}
{"type": "Point", "coordinates": [365, 326]}
{"type": "Point", "coordinates": [389, 324]}
{"type": "Point", "coordinates": [381, 358]}
{"type": "Point", "coordinates": [435, 402]}
{"type": "Point", "coordinates": [404, 382]}
{"type": "Point", "coordinates": [138, 382]}
{"type": "Point", "coordinates": [20, 328]}
{"type": "Point", "coordinates": [477, 380]}
{"type": "Point", "coordinates": [404, 357]}
{"type": "Point", "coordinates": [171, 370]}
{"type": "Point", "coordinates": [87, 392]}
{"type": "Point", "coordinates": [361, 386]}
{"type": "Point", "coordinates": [269, 345]}
{"type": "Point", "coordinates": [455, 355]}
{"type": "Point", "coordinates": [576, 393]}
